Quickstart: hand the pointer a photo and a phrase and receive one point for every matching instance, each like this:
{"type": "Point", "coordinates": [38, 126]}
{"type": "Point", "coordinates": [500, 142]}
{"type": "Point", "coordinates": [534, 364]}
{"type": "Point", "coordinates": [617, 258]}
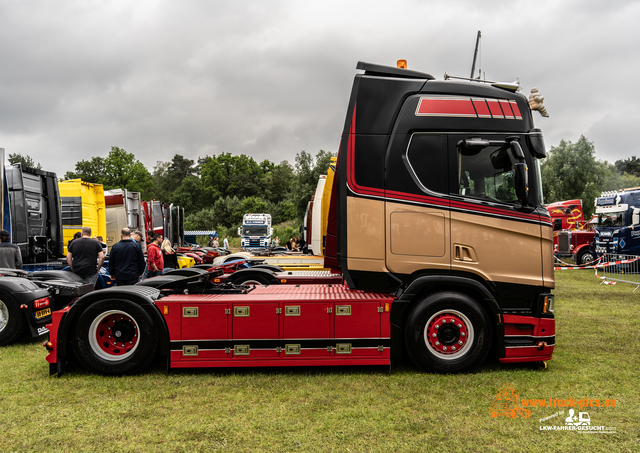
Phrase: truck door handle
{"type": "Point", "coordinates": [463, 253]}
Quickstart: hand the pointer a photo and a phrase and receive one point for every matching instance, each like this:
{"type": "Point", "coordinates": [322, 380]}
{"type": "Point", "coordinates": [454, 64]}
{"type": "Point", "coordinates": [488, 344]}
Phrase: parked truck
{"type": "Point", "coordinates": [315, 245]}
{"type": "Point", "coordinates": [82, 204]}
{"type": "Point", "coordinates": [165, 219]}
{"type": "Point", "coordinates": [255, 232]}
{"type": "Point", "coordinates": [435, 221]}
{"type": "Point", "coordinates": [27, 300]}
{"type": "Point", "coordinates": [572, 236]}
{"type": "Point", "coordinates": [123, 210]}
{"type": "Point", "coordinates": [618, 229]}
{"type": "Point", "coordinates": [36, 222]}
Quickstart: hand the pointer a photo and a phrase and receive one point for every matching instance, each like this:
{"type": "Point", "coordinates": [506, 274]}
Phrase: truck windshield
{"type": "Point", "coordinates": [254, 231]}
{"type": "Point", "coordinates": [611, 219]}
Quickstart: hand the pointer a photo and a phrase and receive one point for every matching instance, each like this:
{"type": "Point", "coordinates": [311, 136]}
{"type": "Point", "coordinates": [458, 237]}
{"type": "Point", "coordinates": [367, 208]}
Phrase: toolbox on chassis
{"type": "Point", "coordinates": [436, 222]}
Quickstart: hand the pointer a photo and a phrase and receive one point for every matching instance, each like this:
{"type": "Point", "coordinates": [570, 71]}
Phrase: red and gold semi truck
{"type": "Point", "coordinates": [436, 222]}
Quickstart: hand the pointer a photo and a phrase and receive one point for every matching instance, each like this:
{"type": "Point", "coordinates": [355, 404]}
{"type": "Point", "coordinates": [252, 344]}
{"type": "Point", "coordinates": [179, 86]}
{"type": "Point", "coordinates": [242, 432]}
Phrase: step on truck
{"type": "Point", "coordinates": [436, 221]}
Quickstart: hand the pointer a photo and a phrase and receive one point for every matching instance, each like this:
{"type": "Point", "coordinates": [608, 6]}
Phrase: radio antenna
{"type": "Point", "coordinates": [475, 56]}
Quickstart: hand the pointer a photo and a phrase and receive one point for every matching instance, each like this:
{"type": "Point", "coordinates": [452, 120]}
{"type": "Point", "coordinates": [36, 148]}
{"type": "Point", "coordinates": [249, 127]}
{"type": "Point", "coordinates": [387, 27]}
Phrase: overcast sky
{"type": "Point", "coordinates": [269, 78]}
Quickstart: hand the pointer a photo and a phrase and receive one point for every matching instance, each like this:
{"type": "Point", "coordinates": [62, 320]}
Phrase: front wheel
{"type": "Point", "coordinates": [447, 332]}
{"type": "Point", "coordinates": [12, 322]}
{"type": "Point", "coordinates": [115, 337]}
{"type": "Point", "coordinates": [585, 257]}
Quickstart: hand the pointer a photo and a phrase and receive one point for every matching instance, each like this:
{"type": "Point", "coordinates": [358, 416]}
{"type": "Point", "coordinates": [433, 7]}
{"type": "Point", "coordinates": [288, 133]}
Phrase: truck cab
{"type": "Point", "coordinates": [438, 198]}
{"type": "Point", "coordinates": [255, 231]}
{"type": "Point", "coordinates": [618, 229]}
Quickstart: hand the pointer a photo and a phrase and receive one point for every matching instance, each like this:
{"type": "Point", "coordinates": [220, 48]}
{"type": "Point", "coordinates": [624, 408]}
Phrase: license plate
{"type": "Point", "coordinates": [43, 313]}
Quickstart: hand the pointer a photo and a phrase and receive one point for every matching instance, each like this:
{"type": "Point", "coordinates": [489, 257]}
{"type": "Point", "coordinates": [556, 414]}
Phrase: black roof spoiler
{"type": "Point", "coordinates": [381, 70]}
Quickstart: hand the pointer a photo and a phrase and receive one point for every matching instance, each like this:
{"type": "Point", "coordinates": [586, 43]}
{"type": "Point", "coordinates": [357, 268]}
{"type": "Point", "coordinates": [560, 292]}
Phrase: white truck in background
{"type": "Point", "coordinates": [255, 232]}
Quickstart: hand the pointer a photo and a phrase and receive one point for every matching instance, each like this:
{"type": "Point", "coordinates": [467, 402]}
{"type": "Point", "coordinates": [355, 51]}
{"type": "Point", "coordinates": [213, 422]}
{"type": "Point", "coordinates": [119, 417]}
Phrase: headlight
{"type": "Point", "coordinates": [548, 306]}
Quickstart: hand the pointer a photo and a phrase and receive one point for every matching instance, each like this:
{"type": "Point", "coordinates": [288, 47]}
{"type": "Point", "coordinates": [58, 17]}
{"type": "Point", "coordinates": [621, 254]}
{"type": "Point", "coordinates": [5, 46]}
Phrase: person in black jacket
{"type": "Point", "coordinates": [169, 256]}
{"type": "Point", "coordinates": [126, 261]}
{"type": "Point", "coordinates": [82, 256]}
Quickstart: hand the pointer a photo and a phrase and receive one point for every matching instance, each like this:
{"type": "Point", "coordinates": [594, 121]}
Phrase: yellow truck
{"type": "Point", "coordinates": [82, 205]}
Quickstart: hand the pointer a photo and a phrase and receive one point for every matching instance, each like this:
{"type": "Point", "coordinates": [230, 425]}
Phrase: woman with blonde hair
{"type": "Point", "coordinates": [169, 256]}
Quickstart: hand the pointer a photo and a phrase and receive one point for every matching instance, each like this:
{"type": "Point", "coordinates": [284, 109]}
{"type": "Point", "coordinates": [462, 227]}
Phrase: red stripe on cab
{"type": "Point", "coordinates": [446, 107]}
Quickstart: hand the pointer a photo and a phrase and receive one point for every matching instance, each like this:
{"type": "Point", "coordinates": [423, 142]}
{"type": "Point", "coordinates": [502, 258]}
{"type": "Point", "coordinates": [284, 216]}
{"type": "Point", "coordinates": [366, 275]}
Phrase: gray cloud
{"type": "Point", "coordinates": [269, 79]}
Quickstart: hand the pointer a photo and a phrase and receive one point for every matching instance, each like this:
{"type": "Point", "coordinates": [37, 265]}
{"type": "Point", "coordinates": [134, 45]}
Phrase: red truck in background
{"type": "Point", "coordinates": [572, 236]}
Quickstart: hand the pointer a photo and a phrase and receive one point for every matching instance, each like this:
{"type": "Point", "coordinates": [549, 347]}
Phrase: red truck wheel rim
{"type": "Point", "coordinates": [448, 334]}
{"type": "Point", "coordinates": [114, 335]}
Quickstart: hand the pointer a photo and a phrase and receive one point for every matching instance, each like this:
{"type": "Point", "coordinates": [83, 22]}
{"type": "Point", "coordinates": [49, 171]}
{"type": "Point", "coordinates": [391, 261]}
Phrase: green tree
{"type": "Point", "coordinates": [177, 182]}
{"type": "Point", "coordinates": [307, 174]}
{"type": "Point", "coordinates": [91, 170]}
{"type": "Point", "coordinates": [630, 165]}
{"type": "Point", "coordinates": [572, 171]}
{"type": "Point", "coordinates": [228, 175]}
{"type": "Point", "coordinates": [188, 195]}
{"type": "Point", "coordinates": [26, 161]}
{"type": "Point", "coordinates": [615, 180]}
{"type": "Point", "coordinates": [228, 211]}
{"type": "Point", "coordinates": [162, 183]}
{"type": "Point", "coordinates": [124, 171]}
{"type": "Point", "coordinates": [119, 170]}
{"type": "Point", "coordinates": [254, 204]}
{"type": "Point", "coordinates": [203, 219]}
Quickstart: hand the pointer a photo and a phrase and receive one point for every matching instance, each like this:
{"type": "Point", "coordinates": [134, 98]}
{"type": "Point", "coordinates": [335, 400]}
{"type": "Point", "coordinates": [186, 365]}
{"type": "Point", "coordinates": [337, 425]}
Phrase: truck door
{"type": "Point", "coordinates": [491, 234]}
{"type": "Point", "coordinates": [417, 203]}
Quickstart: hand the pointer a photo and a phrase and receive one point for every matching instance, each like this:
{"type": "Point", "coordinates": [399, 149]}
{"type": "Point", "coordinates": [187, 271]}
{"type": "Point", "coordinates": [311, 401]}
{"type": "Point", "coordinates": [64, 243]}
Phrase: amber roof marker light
{"type": "Point", "coordinates": [402, 64]}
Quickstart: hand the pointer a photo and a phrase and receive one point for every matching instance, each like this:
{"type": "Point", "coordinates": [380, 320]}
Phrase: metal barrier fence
{"type": "Point", "coordinates": [619, 268]}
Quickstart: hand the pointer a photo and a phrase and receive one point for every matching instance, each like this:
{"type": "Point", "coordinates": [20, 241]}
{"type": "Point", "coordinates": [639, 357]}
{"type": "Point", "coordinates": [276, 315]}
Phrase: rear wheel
{"type": "Point", "coordinates": [447, 332]}
{"type": "Point", "coordinates": [115, 337]}
{"type": "Point", "coordinates": [12, 322]}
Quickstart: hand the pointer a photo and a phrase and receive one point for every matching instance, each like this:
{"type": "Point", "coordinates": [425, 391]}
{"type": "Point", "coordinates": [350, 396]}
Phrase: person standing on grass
{"type": "Point", "coordinates": [226, 242]}
{"type": "Point", "coordinates": [83, 255]}
{"type": "Point", "coordinates": [155, 263]}
{"type": "Point", "coordinates": [126, 262]}
{"type": "Point", "coordinates": [10, 255]}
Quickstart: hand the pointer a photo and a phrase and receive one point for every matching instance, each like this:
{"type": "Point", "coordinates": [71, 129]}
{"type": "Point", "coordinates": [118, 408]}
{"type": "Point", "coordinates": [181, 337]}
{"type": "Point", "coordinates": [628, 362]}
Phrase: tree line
{"type": "Point", "coordinates": [215, 191]}
{"type": "Point", "coordinates": [572, 171]}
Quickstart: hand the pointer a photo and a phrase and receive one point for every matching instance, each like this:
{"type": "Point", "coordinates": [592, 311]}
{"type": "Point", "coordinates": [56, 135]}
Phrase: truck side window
{"type": "Point", "coordinates": [557, 224]}
{"type": "Point", "coordinates": [485, 173]}
{"type": "Point", "coordinates": [427, 159]}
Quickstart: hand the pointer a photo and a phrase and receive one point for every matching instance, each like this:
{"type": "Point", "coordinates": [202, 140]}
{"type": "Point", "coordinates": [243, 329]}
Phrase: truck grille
{"type": "Point", "coordinates": [254, 243]}
{"type": "Point", "coordinates": [564, 242]}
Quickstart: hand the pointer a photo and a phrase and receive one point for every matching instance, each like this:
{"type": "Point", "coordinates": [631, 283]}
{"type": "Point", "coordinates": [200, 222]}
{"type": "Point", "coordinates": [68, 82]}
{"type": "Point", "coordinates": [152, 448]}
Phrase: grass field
{"type": "Point", "coordinates": [342, 409]}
